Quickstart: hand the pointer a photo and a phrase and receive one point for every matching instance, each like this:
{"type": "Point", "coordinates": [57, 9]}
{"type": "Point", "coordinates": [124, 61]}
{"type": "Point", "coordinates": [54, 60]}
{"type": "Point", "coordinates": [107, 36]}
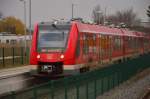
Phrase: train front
{"type": "Point", "coordinates": [48, 47]}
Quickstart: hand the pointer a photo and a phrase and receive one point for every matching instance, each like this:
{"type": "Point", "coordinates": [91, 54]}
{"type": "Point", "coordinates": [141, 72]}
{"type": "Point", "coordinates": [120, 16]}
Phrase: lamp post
{"type": "Point", "coordinates": [72, 12]}
{"type": "Point", "coordinates": [99, 13]}
{"type": "Point", "coordinates": [105, 16]}
{"type": "Point", "coordinates": [30, 19]}
{"type": "Point", "coordinates": [25, 43]}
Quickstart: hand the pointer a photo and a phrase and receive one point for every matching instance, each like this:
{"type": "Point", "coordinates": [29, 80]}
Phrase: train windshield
{"type": "Point", "coordinates": [52, 38]}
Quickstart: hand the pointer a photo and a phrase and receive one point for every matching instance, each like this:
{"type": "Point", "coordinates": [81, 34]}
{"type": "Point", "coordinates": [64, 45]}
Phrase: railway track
{"type": "Point", "coordinates": [23, 81]}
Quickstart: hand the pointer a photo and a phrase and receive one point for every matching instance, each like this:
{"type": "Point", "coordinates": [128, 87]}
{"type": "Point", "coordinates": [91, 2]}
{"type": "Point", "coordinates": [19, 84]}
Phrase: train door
{"type": "Point", "coordinates": [141, 45]}
{"type": "Point", "coordinates": [136, 45]}
{"type": "Point", "coordinates": [117, 46]}
{"type": "Point", "coordinates": [102, 52]}
{"type": "Point", "coordinates": [94, 47]}
{"type": "Point", "coordinates": [110, 47]}
{"type": "Point", "coordinates": [85, 47]}
{"type": "Point", "coordinates": [81, 47]}
{"type": "Point", "coordinates": [99, 47]}
{"type": "Point", "coordinates": [104, 46]}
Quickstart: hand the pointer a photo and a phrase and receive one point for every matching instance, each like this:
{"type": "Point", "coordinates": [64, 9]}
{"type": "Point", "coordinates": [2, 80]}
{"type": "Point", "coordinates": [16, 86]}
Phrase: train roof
{"type": "Point", "coordinates": [105, 30]}
{"type": "Point", "coordinates": [56, 24]}
{"type": "Point", "coordinates": [92, 28]}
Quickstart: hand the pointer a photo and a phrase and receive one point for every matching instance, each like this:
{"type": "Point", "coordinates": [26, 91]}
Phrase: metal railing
{"type": "Point", "coordinates": [88, 85]}
{"type": "Point", "coordinates": [12, 56]}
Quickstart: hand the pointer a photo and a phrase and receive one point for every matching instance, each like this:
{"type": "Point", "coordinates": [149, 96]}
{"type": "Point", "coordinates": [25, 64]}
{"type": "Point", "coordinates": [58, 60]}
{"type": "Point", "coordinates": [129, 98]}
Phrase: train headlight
{"type": "Point", "coordinates": [38, 56]}
{"type": "Point", "coordinates": [62, 56]}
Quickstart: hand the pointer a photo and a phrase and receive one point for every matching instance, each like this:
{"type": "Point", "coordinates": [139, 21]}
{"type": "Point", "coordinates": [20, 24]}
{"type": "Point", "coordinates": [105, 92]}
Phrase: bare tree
{"type": "Point", "coordinates": [1, 15]}
{"type": "Point", "coordinates": [97, 15]}
{"type": "Point", "coordinates": [128, 17]}
{"type": "Point", "coordinates": [148, 12]}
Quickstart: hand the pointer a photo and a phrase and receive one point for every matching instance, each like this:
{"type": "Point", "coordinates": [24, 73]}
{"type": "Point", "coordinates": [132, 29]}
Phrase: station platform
{"type": "Point", "coordinates": [9, 72]}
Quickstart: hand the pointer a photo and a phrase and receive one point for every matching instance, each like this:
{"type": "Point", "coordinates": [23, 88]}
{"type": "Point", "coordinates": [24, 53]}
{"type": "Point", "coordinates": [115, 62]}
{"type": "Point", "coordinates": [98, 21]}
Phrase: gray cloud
{"type": "Point", "coordinates": [44, 10]}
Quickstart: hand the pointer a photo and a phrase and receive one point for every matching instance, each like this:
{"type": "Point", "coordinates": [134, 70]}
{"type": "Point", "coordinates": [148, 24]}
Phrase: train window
{"type": "Point", "coordinates": [138, 42]}
{"type": "Point", "coordinates": [145, 42]}
{"type": "Point", "coordinates": [52, 37]}
{"type": "Point", "coordinates": [107, 45]}
{"type": "Point", "coordinates": [134, 43]}
{"type": "Point", "coordinates": [84, 36]}
{"type": "Point", "coordinates": [94, 37]}
{"type": "Point", "coordinates": [117, 43]}
{"type": "Point", "coordinates": [81, 36]}
{"type": "Point", "coordinates": [131, 42]}
{"type": "Point", "coordinates": [91, 43]}
{"type": "Point", "coordinates": [85, 43]}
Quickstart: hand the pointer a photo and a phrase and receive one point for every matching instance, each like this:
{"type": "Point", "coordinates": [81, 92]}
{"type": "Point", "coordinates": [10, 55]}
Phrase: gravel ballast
{"type": "Point", "coordinates": [134, 88]}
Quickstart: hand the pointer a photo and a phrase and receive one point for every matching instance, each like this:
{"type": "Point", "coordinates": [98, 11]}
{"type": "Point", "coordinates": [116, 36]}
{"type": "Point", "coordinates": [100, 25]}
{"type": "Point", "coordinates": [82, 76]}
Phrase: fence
{"type": "Point", "coordinates": [87, 85]}
{"type": "Point", "coordinates": [13, 56]}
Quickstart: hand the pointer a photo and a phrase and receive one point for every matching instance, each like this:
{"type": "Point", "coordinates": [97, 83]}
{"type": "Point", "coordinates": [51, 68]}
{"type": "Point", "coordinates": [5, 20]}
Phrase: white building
{"type": "Point", "coordinates": [12, 38]}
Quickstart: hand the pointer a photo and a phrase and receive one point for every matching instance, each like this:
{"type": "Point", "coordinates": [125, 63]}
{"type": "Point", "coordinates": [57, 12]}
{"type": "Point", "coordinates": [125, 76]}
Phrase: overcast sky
{"type": "Point", "coordinates": [45, 10]}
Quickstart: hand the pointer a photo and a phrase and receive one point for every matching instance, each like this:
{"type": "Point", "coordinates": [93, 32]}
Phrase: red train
{"type": "Point", "coordinates": [76, 46]}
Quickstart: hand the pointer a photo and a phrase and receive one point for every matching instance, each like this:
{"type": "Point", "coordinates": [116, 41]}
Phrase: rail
{"type": "Point", "coordinates": [88, 85]}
